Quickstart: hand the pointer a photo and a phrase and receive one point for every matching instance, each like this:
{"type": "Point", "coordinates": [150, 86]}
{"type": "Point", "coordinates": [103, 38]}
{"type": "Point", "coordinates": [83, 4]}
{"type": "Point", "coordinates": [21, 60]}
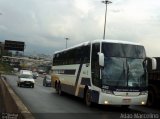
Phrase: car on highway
{"type": "Point", "coordinates": [41, 71]}
{"type": "Point", "coordinates": [25, 78]}
{"type": "Point", "coordinates": [35, 75]}
{"type": "Point", "coordinates": [47, 81]}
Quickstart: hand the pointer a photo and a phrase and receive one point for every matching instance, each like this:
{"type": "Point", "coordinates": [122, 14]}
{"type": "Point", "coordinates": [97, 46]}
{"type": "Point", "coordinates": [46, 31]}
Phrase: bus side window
{"type": "Point", "coordinates": [65, 59]}
{"type": "Point", "coordinates": [55, 59]}
{"type": "Point", "coordinates": [71, 57]}
{"type": "Point", "coordinates": [78, 55]}
{"type": "Point", "coordinates": [95, 65]}
{"type": "Point", "coordinates": [86, 54]}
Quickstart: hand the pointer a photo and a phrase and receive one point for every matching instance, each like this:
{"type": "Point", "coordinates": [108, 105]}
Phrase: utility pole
{"type": "Point", "coordinates": [105, 2]}
{"type": "Point", "coordinates": [66, 41]}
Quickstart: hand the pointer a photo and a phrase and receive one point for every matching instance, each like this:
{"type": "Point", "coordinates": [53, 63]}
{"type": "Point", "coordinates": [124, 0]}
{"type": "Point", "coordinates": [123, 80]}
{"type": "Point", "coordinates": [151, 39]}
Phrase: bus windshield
{"type": "Point", "coordinates": [123, 66]}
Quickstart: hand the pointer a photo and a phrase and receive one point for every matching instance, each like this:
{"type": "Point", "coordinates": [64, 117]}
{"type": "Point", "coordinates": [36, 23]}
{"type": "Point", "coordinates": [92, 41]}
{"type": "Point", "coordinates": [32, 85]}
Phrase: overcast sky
{"type": "Point", "coordinates": [44, 24]}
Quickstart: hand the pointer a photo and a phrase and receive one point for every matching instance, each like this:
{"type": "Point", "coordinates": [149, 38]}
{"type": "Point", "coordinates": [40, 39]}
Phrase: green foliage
{"type": "Point", "coordinates": [5, 68]}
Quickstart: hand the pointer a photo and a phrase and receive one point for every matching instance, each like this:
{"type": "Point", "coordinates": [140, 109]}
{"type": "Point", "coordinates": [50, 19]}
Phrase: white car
{"type": "Point", "coordinates": [25, 78]}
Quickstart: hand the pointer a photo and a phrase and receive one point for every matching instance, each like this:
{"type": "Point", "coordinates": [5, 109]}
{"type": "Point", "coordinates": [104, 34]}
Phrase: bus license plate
{"type": "Point", "coordinates": [126, 101]}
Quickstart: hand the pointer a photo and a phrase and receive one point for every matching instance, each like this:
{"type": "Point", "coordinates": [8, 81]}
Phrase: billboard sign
{"type": "Point", "coordinates": [14, 45]}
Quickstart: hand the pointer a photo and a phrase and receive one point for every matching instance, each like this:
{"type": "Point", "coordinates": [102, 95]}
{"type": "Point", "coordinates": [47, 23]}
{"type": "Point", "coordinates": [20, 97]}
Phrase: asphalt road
{"type": "Point", "coordinates": [44, 103]}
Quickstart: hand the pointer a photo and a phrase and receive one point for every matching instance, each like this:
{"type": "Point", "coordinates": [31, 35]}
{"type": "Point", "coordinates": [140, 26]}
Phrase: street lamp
{"type": "Point", "coordinates": [66, 41]}
{"type": "Point", "coordinates": [105, 2]}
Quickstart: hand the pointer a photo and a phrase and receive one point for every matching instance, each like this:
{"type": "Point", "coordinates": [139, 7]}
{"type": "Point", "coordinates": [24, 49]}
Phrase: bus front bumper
{"type": "Point", "coordinates": [111, 99]}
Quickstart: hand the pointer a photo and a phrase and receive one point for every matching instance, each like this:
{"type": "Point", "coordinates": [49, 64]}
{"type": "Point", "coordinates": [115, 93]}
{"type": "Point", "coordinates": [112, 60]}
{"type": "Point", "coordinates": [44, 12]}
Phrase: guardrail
{"type": "Point", "coordinates": [13, 106]}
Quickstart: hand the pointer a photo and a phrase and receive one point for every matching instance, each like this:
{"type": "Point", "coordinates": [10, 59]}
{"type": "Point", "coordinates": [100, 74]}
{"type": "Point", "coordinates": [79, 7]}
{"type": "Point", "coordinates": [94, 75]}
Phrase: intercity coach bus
{"type": "Point", "coordinates": [109, 72]}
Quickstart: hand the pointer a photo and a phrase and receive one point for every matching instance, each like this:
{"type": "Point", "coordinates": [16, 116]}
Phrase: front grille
{"type": "Point", "coordinates": [27, 82]}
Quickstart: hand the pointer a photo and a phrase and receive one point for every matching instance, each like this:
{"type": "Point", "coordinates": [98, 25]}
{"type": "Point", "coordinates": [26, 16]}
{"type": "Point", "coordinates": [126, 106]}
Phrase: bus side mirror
{"type": "Point", "coordinates": [154, 64]}
{"type": "Point", "coordinates": [151, 63]}
{"type": "Point", "coordinates": [101, 59]}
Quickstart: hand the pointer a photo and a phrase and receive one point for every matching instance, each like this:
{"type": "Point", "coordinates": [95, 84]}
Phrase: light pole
{"type": "Point", "coordinates": [66, 41]}
{"type": "Point", "coordinates": [105, 2]}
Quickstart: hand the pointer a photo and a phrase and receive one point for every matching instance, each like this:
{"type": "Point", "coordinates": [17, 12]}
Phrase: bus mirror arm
{"type": "Point", "coordinates": [101, 59]}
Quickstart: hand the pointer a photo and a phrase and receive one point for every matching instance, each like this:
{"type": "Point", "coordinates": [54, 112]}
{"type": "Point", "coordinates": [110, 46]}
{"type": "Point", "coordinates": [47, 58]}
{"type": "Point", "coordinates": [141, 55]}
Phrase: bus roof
{"type": "Point", "coordinates": [99, 41]}
{"type": "Point", "coordinates": [115, 41]}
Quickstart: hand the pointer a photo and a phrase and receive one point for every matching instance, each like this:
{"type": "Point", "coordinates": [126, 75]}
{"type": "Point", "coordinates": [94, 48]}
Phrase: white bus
{"type": "Point", "coordinates": [109, 72]}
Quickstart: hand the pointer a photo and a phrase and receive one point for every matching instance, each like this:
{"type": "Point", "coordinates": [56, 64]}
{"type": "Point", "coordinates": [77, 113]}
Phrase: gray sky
{"type": "Point", "coordinates": [44, 24]}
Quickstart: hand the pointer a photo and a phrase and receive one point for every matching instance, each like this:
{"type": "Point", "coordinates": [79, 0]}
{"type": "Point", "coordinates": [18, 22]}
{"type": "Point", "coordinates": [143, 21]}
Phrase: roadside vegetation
{"type": "Point", "coordinates": [5, 68]}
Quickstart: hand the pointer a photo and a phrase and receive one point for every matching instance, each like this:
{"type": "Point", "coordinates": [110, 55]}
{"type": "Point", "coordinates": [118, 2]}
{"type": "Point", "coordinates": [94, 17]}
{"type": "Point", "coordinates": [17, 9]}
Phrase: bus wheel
{"type": "Point", "coordinates": [56, 87]}
{"type": "Point", "coordinates": [151, 98]}
{"type": "Point", "coordinates": [59, 89]}
{"type": "Point", "coordinates": [88, 98]}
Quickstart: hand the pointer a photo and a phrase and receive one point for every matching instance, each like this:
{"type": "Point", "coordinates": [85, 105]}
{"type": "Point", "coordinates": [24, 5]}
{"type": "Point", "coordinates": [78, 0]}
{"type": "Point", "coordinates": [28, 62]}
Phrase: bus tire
{"type": "Point", "coordinates": [59, 90]}
{"type": "Point", "coordinates": [56, 87]}
{"type": "Point", "coordinates": [151, 98]}
{"type": "Point", "coordinates": [87, 98]}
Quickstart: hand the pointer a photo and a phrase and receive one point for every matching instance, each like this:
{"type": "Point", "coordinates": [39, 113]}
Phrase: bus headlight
{"type": "Point", "coordinates": [106, 102]}
{"type": "Point", "coordinates": [143, 93]}
{"type": "Point", "coordinates": [143, 103]}
{"type": "Point", "coordinates": [107, 91]}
